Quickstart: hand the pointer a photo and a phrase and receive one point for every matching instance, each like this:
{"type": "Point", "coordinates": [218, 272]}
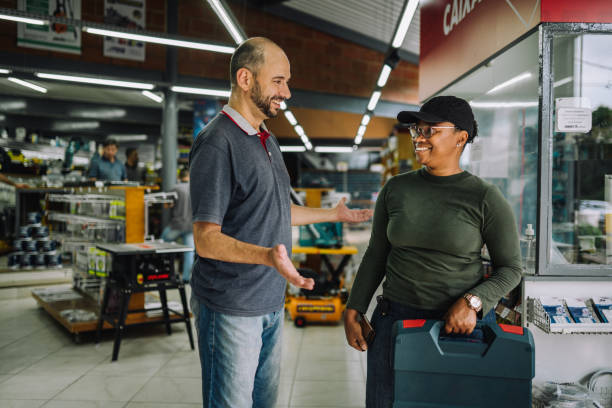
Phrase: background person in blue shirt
{"type": "Point", "coordinates": [107, 167]}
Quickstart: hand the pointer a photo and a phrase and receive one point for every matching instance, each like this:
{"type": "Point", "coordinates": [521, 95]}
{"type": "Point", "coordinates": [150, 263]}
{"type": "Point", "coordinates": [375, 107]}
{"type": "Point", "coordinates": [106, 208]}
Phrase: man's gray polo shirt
{"type": "Point", "coordinates": [104, 169]}
{"type": "Point", "coordinates": [235, 183]}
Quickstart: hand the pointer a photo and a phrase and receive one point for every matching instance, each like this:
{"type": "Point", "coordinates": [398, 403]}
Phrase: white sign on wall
{"type": "Point", "coordinates": [573, 115]}
{"type": "Point", "coordinates": [54, 36]}
{"type": "Point", "coordinates": [128, 14]}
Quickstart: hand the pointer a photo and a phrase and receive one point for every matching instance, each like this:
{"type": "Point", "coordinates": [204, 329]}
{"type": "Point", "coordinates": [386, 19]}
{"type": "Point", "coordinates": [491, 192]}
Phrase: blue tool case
{"type": "Point", "coordinates": [491, 369]}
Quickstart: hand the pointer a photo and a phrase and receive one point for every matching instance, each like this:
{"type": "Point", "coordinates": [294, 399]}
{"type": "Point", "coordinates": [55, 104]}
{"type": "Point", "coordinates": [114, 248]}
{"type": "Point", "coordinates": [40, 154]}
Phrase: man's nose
{"type": "Point", "coordinates": [286, 93]}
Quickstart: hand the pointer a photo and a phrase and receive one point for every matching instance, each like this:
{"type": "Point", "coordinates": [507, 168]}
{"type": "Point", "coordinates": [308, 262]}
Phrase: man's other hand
{"type": "Point", "coordinates": [280, 260]}
{"type": "Point", "coordinates": [344, 214]}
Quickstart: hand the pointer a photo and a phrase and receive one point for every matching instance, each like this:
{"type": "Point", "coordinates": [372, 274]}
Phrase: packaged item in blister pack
{"type": "Point", "coordinates": [579, 311]}
{"type": "Point", "coordinates": [555, 309]}
{"type": "Point", "coordinates": [603, 305]}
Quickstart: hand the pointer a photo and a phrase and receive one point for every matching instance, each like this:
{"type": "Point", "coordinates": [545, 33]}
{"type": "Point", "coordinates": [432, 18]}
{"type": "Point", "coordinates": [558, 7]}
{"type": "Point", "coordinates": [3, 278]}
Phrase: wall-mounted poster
{"type": "Point", "coordinates": [127, 14]}
{"type": "Point", "coordinates": [54, 36]}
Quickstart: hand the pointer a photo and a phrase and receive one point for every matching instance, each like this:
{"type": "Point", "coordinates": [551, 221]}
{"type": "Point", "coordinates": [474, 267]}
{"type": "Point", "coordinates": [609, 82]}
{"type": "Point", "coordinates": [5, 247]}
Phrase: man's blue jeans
{"type": "Point", "coordinates": [172, 235]}
{"type": "Point", "coordinates": [240, 357]}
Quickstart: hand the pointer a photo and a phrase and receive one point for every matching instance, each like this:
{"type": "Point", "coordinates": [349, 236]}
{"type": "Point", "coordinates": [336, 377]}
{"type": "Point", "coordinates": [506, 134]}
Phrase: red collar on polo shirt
{"type": "Point", "coordinates": [262, 134]}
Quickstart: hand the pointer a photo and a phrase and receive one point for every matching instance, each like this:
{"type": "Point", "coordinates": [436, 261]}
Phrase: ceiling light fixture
{"type": "Point", "coordinates": [563, 81]}
{"type": "Point", "coordinates": [509, 82]}
{"type": "Point", "coordinates": [283, 105]}
{"type": "Point", "coordinates": [34, 21]}
{"type": "Point", "coordinates": [201, 91]}
{"type": "Point", "coordinates": [228, 21]}
{"type": "Point", "coordinates": [153, 96]}
{"type": "Point", "coordinates": [95, 81]}
{"type": "Point", "coordinates": [402, 28]}
{"type": "Point", "coordinates": [384, 75]}
{"type": "Point", "coordinates": [373, 100]}
{"type": "Point", "coordinates": [333, 149]}
{"type": "Point", "coordinates": [290, 117]}
{"type": "Point", "coordinates": [365, 120]}
{"type": "Point", "coordinates": [27, 84]}
{"type": "Point", "coordinates": [295, 149]}
{"type": "Point", "coordinates": [129, 138]}
{"type": "Point", "coordinates": [5, 71]}
{"type": "Point", "coordinates": [299, 130]}
{"type": "Point", "coordinates": [160, 40]}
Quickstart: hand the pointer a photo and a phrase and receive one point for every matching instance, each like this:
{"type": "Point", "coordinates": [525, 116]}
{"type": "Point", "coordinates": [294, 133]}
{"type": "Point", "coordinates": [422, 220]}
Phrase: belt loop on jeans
{"type": "Point", "coordinates": [383, 304]}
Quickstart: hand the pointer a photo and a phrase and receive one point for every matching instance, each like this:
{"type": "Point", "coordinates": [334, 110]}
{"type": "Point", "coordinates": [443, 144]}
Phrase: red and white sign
{"type": "Point", "coordinates": [457, 35]}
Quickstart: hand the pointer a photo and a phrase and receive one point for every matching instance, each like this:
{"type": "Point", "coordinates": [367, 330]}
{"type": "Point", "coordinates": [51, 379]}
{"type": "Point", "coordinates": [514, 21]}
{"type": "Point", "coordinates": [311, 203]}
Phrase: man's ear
{"type": "Point", "coordinates": [244, 79]}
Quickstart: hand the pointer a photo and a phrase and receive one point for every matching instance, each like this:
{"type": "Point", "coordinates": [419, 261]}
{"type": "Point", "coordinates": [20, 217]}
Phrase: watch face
{"type": "Point", "coordinates": [475, 302]}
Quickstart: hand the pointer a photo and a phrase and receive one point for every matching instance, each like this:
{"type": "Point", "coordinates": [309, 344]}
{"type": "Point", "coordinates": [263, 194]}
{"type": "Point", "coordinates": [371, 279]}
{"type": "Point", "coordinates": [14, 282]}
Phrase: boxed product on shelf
{"type": "Point", "coordinates": [507, 315]}
{"type": "Point", "coordinates": [579, 311]}
{"type": "Point", "coordinates": [603, 306]}
{"type": "Point", "coordinates": [555, 309]}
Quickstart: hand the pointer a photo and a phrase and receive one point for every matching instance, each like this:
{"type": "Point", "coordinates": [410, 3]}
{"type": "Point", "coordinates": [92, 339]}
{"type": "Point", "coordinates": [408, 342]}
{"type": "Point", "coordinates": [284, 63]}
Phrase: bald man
{"type": "Point", "coordinates": [242, 218]}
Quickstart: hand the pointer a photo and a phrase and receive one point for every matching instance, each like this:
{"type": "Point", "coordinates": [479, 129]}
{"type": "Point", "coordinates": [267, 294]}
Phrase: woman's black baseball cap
{"type": "Point", "coordinates": [443, 109]}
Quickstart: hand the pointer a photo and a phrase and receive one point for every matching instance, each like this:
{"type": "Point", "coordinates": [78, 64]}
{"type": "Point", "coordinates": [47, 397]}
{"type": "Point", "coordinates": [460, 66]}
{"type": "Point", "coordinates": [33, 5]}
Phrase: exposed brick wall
{"type": "Point", "coordinates": [319, 61]}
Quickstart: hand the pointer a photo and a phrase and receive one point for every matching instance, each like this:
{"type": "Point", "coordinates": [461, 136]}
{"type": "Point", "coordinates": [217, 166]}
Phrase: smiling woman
{"type": "Point", "coordinates": [428, 231]}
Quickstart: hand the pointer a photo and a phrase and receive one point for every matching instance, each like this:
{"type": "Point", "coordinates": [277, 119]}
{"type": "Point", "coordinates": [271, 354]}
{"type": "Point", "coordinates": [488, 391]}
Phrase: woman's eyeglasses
{"type": "Point", "coordinates": [416, 131]}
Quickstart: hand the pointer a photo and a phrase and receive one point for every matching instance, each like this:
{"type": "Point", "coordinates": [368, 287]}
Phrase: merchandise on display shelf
{"type": "Point", "coordinates": [555, 309]}
{"type": "Point", "coordinates": [34, 248]}
{"type": "Point", "coordinates": [603, 305]}
{"type": "Point", "coordinates": [579, 311]}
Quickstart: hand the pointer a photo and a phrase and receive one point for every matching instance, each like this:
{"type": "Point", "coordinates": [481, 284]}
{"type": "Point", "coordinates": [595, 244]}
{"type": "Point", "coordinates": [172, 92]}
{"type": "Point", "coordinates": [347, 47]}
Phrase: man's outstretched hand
{"type": "Point", "coordinates": [344, 214]}
{"type": "Point", "coordinates": [279, 259]}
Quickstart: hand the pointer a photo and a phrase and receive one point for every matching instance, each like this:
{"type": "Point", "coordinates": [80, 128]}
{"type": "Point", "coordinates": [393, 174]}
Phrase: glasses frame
{"type": "Point", "coordinates": [416, 131]}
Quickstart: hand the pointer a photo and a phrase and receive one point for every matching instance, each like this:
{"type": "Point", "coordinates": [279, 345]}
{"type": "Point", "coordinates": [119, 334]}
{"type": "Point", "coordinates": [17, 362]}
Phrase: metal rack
{"type": "Point", "coordinates": [538, 316]}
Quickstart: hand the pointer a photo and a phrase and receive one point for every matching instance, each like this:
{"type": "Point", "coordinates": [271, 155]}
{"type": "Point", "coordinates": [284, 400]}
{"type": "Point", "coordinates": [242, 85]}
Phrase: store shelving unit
{"type": "Point", "coordinates": [80, 218]}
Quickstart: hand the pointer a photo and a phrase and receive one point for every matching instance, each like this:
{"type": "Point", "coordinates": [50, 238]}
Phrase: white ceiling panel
{"type": "Point", "coordinates": [373, 18]}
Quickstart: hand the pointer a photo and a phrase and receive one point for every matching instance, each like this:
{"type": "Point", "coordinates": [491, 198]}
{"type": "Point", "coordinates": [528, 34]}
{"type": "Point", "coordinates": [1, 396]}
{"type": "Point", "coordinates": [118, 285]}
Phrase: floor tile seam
{"type": "Point", "coordinates": [293, 378]}
{"type": "Point", "coordinates": [16, 340]}
{"type": "Point", "coordinates": [66, 387]}
{"type": "Point", "coordinates": [150, 378]}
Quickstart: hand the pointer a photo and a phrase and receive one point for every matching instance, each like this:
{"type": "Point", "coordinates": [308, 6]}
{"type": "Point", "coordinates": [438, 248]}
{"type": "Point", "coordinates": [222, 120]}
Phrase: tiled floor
{"type": "Point", "coordinates": [41, 366]}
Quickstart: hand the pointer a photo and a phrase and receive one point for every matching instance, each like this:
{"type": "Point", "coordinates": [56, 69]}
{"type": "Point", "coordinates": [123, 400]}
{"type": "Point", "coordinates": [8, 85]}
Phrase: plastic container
{"type": "Point", "coordinates": [530, 255]}
{"type": "Point", "coordinates": [494, 371]}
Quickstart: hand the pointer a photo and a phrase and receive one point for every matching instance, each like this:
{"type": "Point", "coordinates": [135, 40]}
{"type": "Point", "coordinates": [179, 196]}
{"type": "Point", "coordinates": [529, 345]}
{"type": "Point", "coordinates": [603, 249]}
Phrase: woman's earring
{"type": "Point", "coordinates": [458, 144]}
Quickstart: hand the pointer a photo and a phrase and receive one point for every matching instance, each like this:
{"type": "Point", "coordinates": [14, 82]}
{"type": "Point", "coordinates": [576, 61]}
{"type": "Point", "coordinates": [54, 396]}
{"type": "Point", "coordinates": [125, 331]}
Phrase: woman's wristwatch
{"type": "Point", "coordinates": [473, 302]}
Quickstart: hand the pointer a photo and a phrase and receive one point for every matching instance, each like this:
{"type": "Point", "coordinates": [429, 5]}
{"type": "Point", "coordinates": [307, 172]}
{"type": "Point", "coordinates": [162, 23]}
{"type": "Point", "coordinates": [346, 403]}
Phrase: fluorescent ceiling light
{"type": "Point", "coordinates": [308, 145]}
{"type": "Point", "coordinates": [333, 149]}
{"type": "Point", "coordinates": [358, 139]}
{"type": "Point", "coordinates": [68, 126]}
{"type": "Point", "coordinates": [299, 130]}
{"type": "Point", "coordinates": [12, 105]}
{"type": "Point", "coordinates": [361, 130]}
{"type": "Point", "coordinates": [290, 118]}
{"type": "Point", "coordinates": [384, 75]}
{"type": "Point", "coordinates": [402, 28]}
{"type": "Point", "coordinates": [26, 20]}
{"type": "Point", "coordinates": [283, 105]}
{"type": "Point", "coordinates": [293, 148]}
{"type": "Point", "coordinates": [5, 71]}
{"type": "Point", "coordinates": [201, 91]}
{"type": "Point", "coordinates": [153, 96]}
{"type": "Point", "coordinates": [509, 82]}
{"type": "Point", "coordinates": [28, 84]}
{"type": "Point", "coordinates": [128, 138]}
{"type": "Point", "coordinates": [373, 100]}
{"type": "Point", "coordinates": [563, 81]}
{"type": "Point", "coordinates": [102, 113]}
{"type": "Point", "coordinates": [160, 40]}
{"type": "Point", "coordinates": [96, 81]}
{"type": "Point", "coordinates": [227, 21]}
{"type": "Point", "coordinates": [2, 117]}
{"type": "Point", "coordinates": [365, 120]}
{"type": "Point", "coordinates": [494, 105]}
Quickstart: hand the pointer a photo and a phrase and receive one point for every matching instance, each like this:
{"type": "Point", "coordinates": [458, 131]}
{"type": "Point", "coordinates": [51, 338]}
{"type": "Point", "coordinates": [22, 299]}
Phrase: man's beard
{"type": "Point", "coordinates": [262, 102]}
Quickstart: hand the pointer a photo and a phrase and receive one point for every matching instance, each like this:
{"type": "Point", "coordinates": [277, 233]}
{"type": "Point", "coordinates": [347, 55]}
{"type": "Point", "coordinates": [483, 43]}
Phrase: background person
{"type": "Point", "coordinates": [180, 226]}
{"type": "Point", "coordinates": [132, 170]}
{"type": "Point", "coordinates": [428, 230]}
{"type": "Point", "coordinates": [242, 214]}
{"type": "Point", "coordinates": [107, 167]}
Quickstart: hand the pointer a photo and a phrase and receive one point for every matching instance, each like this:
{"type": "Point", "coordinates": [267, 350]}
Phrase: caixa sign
{"type": "Point", "coordinates": [455, 12]}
